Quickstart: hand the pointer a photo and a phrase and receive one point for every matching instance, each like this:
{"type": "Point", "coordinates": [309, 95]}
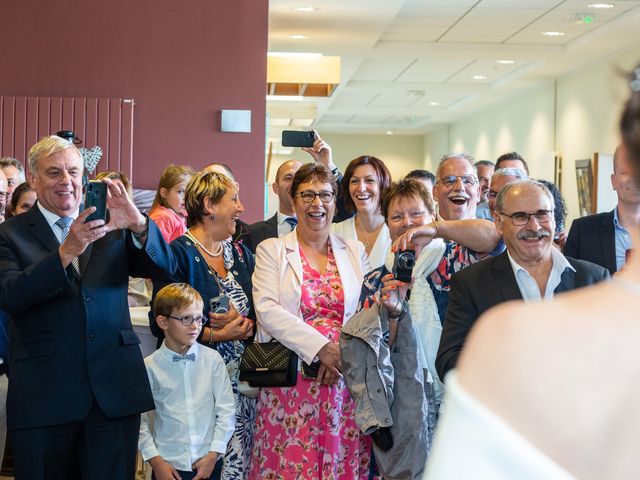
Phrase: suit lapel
{"type": "Point", "coordinates": [292, 256]}
{"type": "Point", "coordinates": [608, 242]}
{"type": "Point", "coordinates": [504, 279]}
{"type": "Point", "coordinates": [272, 227]}
{"type": "Point", "coordinates": [41, 229]}
{"type": "Point", "coordinates": [567, 281]}
{"type": "Point", "coordinates": [85, 257]}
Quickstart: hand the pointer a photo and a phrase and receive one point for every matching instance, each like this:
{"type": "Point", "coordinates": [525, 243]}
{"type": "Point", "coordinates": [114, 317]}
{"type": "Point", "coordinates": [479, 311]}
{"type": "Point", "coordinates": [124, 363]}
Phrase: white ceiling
{"type": "Point", "coordinates": [408, 65]}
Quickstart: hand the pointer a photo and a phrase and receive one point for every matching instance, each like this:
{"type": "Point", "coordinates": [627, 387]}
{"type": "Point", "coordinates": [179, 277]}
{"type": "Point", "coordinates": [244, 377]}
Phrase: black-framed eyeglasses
{"type": "Point", "coordinates": [189, 319]}
{"type": "Point", "coordinates": [450, 181]}
{"type": "Point", "coordinates": [308, 196]}
{"type": "Point", "coordinates": [522, 218]}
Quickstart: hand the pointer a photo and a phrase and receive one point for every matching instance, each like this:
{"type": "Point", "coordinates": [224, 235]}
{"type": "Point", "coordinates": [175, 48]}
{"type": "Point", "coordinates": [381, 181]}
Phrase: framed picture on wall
{"type": "Point", "coordinates": [584, 180]}
{"type": "Point", "coordinates": [557, 170]}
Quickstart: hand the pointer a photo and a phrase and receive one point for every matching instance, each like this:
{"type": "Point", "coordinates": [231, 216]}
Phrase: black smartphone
{"type": "Point", "coordinates": [310, 372]}
{"type": "Point", "coordinates": [219, 304]}
{"type": "Point", "coordinates": [96, 196]}
{"type": "Point", "coordinates": [294, 138]}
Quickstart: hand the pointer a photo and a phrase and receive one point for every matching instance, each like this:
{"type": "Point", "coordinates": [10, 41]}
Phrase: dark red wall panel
{"type": "Point", "coordinates": [181, 62]}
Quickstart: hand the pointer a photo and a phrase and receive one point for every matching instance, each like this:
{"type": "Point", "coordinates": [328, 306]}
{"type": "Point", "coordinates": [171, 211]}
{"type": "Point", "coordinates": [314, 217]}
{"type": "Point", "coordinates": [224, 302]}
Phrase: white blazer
{"type": "Point", "coordinates": [277, 291]}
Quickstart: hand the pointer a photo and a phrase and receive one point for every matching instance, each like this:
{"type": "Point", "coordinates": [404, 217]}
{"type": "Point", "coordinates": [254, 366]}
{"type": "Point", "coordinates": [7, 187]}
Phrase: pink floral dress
{"type": "Point", "coordinates": [308, 432]}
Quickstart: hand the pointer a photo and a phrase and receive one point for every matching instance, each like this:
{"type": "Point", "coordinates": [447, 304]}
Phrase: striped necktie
{"type": "Point", "coordinates": [293, 221]}
{"type": "Point", "coordinates": [64, 224]}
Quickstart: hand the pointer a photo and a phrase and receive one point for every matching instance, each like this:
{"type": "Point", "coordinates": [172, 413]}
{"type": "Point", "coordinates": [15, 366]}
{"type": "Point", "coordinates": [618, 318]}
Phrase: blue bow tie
{"type": "Point", "coordinates": [188, 356]}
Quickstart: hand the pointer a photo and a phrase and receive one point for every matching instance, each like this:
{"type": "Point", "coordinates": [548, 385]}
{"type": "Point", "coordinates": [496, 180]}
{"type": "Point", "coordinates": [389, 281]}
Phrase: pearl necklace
{"type": "Point", "coordinates": [205, 249]}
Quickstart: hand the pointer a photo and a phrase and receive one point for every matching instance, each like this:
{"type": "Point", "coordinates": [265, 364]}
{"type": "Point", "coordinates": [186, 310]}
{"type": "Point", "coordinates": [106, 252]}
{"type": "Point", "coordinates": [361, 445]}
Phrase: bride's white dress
{"type": "Point", "coordinates": [472, 442]}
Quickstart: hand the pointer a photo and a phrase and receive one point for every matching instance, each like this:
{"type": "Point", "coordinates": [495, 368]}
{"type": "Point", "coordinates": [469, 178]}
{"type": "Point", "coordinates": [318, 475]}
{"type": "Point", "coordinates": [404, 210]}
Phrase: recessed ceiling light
{"type": "Point", "coordinates": [305, 9]}
{"type": "Point", "coordinates": [434, 104]}
{"type": "Point", "coordinates": [389, 132]}
{"type": "Point", "coordinates": [297, 36]}
{"type": "Point", "coordinates": [294, 54]}
{"type": "Point", "coordinates": [506, 62]}
{"type": "Point", "coordinates": [553, 34]}
{"type": "Point", "coordinates": [479, 77]}
{"type": "Point", "coordinates": [601, 5]}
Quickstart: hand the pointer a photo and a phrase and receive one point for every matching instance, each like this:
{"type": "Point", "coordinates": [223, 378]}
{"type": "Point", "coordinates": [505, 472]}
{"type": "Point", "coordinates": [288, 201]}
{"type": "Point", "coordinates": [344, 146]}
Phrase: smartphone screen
{"type": "Point", "coordinates": [219, 304]}
{"type": "Point", "coordinates": [96, 196]}
{"type": "Point", "coordinates": [294, 138]}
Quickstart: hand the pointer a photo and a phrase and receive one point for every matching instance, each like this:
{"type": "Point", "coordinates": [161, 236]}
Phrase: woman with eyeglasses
{"type": "Point", "coordinates": [221, 273]}
{"type": "Point", "coordinates": [363, 184]}
{"type": "Point", "coordinates": [409, 212]}
{"type": "Point", "coordinates": [305, 287]}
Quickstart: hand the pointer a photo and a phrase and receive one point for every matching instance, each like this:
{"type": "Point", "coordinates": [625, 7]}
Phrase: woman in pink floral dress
{"type": "Point", "coordinates": [306, 286]}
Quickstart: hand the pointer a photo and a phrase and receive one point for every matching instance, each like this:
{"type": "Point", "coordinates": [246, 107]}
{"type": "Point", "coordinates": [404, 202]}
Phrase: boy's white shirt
{"type": "Point", "coordinates": [195, 407]}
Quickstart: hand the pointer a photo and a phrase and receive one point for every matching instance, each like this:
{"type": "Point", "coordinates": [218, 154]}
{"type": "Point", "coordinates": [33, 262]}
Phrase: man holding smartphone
{"type": "Point", "coordinates": [78, 379]}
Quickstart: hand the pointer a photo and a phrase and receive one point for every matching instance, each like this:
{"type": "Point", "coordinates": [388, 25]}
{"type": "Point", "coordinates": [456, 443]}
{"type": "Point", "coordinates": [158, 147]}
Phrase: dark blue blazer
{"type": "Point", "coordinates": [480, 286]}
{"type": "Point", "coordinates": [592, 238]}
{"type": "Point", "coordinates": [259, 231]}
{"type": "Point", "coordinates": [72, 339]}
{"type": "Point", "coordinates": [192, 269]}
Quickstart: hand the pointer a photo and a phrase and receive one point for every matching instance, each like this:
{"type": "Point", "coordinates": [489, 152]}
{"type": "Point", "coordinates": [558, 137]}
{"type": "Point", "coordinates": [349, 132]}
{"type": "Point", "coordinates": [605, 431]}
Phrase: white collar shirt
{"type": "Point", "coordinates": [52, 218]}
{"type": "Point", "coordinates": [195, 407]}
{"type": "Point", "coordinates": [528, 285]}
{"type": "Point", "coordinates": [283, 227]}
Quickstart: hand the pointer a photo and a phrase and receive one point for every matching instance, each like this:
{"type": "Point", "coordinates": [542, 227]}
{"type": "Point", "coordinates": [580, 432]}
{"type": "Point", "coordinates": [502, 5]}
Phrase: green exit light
{"type": "Point", "coordinates": [587, 19]}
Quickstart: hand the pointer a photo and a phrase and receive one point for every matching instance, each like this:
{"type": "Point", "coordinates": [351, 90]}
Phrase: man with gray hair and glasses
{"type": "Point", "coordinates": [14, 171]}
{"type": "Point", "coordinates": [457, 189]}
{"type": "Point", "coordinates": [530, 269]}
{"type": "Point", "coordinates": [501, 178]}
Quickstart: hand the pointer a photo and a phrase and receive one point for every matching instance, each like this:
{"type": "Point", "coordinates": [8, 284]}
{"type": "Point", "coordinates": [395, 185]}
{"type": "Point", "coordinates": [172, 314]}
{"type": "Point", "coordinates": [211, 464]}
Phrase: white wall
{"type": "Point", "coordinates": [400, 153]}
{"type": "Point", "coordinates": [575, 116]}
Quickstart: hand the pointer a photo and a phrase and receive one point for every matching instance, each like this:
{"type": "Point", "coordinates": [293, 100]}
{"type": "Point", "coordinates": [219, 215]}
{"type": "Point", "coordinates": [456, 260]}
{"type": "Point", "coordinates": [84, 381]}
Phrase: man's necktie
{"type": "Point", "coordinates": [293, 221]}
{"type": "Point", "coordinates": [187, 357]}
{"type": "Point", "coordinates": [64, 223]}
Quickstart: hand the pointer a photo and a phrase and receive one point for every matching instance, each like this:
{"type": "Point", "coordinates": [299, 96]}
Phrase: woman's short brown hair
{"type": "Point", "coordinates": [211, 185]}
{"type": "Point", "coordinates": [384, 179]}
{"type": "Point", "coordinates": [406, 188]}
{"type": "Point", "coordinates": [310, 172]}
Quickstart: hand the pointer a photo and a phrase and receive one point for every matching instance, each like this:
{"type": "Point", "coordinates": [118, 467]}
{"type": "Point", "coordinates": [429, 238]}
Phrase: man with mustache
{"type": "Point", "coordinates": [530, 269]}
{"type": "Point", "coordinates": [604, 238]}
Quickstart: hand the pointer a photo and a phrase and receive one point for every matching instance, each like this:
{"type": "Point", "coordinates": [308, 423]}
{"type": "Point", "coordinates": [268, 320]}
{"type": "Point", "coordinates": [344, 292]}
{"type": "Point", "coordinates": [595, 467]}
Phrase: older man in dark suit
{"type": "Point", "coordinates": [604, 238]}
{"type": "Point", "coordinates": [78, 380]}
{"type": "Point", "coordinates": [530, 269]}
{"type": "Point", "coordinates": [285, 219]}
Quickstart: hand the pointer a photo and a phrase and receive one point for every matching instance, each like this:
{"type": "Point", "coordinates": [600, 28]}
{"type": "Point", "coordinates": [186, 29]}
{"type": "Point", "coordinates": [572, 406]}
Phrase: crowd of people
{"type": "Point", "coordinates": [374, 283]}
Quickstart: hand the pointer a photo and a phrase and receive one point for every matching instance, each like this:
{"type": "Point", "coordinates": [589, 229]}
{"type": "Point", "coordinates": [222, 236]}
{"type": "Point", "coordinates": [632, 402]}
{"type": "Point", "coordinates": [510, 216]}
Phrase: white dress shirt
{"type": "Point", "coordinates": [52, 218]}
{"type": "Point", "coordinates": [283, 227]}
{"type": "Point", "coordinates": [528, 285]}
{"type": "Point", "coordinates": [195, 407]}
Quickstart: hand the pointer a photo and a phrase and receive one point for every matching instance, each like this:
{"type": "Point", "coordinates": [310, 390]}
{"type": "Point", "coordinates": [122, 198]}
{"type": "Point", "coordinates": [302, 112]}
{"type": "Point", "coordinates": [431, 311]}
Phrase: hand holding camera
{"type": "Point", "coordinates": [393, 294]}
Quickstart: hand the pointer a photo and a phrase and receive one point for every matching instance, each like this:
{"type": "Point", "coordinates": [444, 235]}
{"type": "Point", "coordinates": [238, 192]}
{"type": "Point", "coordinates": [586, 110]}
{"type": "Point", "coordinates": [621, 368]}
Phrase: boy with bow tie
{"type": "Point", "coordinates": [195, 408]}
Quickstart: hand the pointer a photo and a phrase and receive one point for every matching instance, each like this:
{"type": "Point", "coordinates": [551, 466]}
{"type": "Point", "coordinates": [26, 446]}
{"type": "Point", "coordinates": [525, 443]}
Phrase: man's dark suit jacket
{"type": "Point", "coordinates": [259, 231]}
{"type": "Point", "coordinates": [477, 288]}
{"type": "Point", "coordinates": [592, 238]}
{"type": "Point", "coordinates": [71, 340]}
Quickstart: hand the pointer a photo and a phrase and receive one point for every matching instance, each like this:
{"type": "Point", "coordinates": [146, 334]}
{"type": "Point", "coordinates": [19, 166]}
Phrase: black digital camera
{"type": "Point", "coordinates": [403, 264]}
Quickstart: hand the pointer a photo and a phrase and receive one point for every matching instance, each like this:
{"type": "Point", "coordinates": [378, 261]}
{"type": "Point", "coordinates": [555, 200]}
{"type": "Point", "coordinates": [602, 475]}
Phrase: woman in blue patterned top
{"type": "Point", "coordinates": [214, 266]}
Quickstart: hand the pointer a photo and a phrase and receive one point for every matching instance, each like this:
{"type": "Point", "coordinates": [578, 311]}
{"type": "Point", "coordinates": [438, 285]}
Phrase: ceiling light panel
{"type": "Point", "coordinates": [381, 69]}
{"type": "Point", "coordinates": [432, 70]}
